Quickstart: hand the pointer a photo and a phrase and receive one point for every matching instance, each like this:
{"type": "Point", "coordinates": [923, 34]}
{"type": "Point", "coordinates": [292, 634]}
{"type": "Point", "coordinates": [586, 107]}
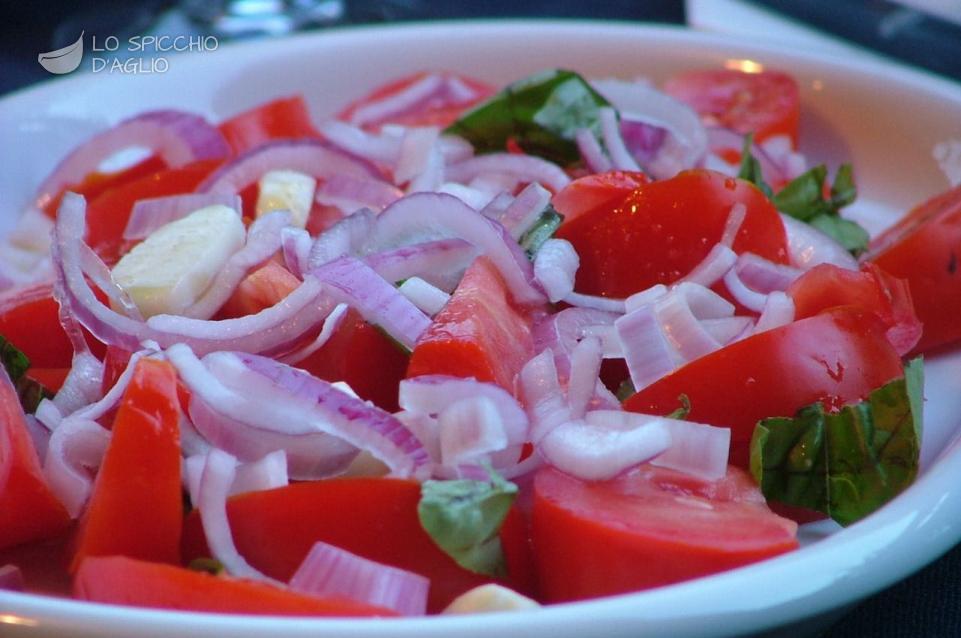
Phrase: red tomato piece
{"type": "Point", "coordinates": [478, 334]}
{"type": "Point", "coordinates": [95, 184]}
{"type": "Point", "coordinates": [438, 111]}
{"type": "Point", "coordinates": [119, 580]}
{"type": "Point", "coordinates": [262, 288]}
{"type": "Point", "coordinates": [136, 508]}
{"type": "Point", "coordinates": [284, 118]}
{"type": "Point", "coordinates": [28, 509]}
{"type": "Point", "coordinates": [595, 191]}
{"type": "Point", "coordinates": [373, 517]}
{"type": "Point", "coordinates": [647, 528]}
{"type": "Point", "coordinates": [766, 103]}
{"type": "Point", "coordinates": [827, 286]}
{"type": "Point", "coordinates": [665, 228]}
{"type": "Point", "coordinates": [108, 214]}
{"type": "Point", "coordinates": [50, 378]}
{"type": "Point", "coordinates": [28, 312]}
{"type": "Point", "coordinates": [836, 357]}
{"type": "Point", "coordinates": [114, 363]}
{"type": "Point", "coordinates": [923, 248]}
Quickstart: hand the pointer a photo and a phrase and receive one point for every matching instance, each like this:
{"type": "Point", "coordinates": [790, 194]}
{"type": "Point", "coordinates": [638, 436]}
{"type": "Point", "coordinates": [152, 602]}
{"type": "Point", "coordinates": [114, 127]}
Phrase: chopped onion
{"type": "Point", "coordinates": [732, 226]}
{"type": "Point", "coordinates": [727, 329]}
{"type": "Point", "coordinates": [778, 311]}
{"type": "Point", "coordinates": [681, 328]}
{"type": "Point", "coordinates": [383, 149]}
{"type": "Point", "coordinates": [713, 267]}
{"type": "Point", "coordinates": [809, 247]}
{"type": "Point", "coordinates": [596, 303]}
{"type": "Point", "coordinates": [265, 474]}
{"type": "Point", "coordinates": [433, 175]}
{"type": "Point", "coordinates": [476, 199]}
{"type": "Point", "coordinates": [585, 367]}
{"type": "Point", "coordinates": [76, 446]}
{"type": "Point", "coordinates": [561, 331]}
{"type": "Point", "coordinates": [470, 430]}
{"type": "Point", "coordinates": [541, 393]}
{"type": "Point", "coordinates": [526, 167]}
{"type": "Point", "coordinates": [296, 244]}
{"type": "Point", "coordinates": [415, 151]}
{"type": "Point", "coordinates": [765, 276]}
{"type": "Point", "coordinates": [440, 263]}
{"type": "Point", "coordinates": [748, 298]}
{"type": "Point", "coordinates": [645, 297]}
{"type": "Point", "coordinates": [82, 385]}
{"type": "Point", "coordinates": [397, 103]}
{"type": "Point", "coordinates": [150, 214]}
{"type": "Point", "coordinates": [331, 323]}
{"type": "Point", "coordinates": [648, 354]}
{"type": "Point", "coordinates": [591, 151]}
{"type": "Point", "coordinates": [555, 266]}
{"type": "Point", "coordinates": [330, 571]}
{"type": "Point", "coordinates": [428, 298]}
{"type": "Point", "coordinates": [100, 275]}
{"type": "Point", "coordinates": [621, 158]}
{"type": "Point", "coordinates": [351, 193]}
{"type": "Point", "coordinates": [525, 210]}
{"type": "Point", "coordinates": [343, 238]}
{"type": "Point", "coordinates": [720, 139]}
{"type": "Point", "coordinates": [696, 449]}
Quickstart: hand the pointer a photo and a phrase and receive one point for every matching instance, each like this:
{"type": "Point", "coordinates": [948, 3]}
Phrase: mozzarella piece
{"type": "Point", "coordinates": [175, 264]}
{"type": "Point", "coordinates": [287, 190]}
{"type": "Point", "coordinates": [487, 598]}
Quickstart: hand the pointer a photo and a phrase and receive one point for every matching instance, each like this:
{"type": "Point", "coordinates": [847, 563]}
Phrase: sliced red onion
{"type": "Point", "coordinates": [780, 148]}
{"type": "Point", "coordinates": [351, 281]}
{"type": "Point", "coordinates": [440, 263]}
{"type": "Point", "coordinates": [681, 328]}
{"type": "Point", "coordinates": [476, 199]}
{"type": "Point", "coordinates": [610, 343]}
{"type": "Point", "coordinates": [496, 207]}
{"type": "Point", "coordinates": [713, 267]}
{"type": "Point", "coordinates": [112, 398]}
{"type": "Point", "coordinates": [377, 148]}
{"type": "Point", "coordinates": [331, 571]}
{"type": "Point", "coordinates": [621, 158]}
{"type": "Point", "coordinates": [594, 302]}
{"type": "Point", "coordinates": [433, 175]}
{"type": "Point", "coordinates": [605, 443]}
{"type": "Point", "coordinates": [414, 154]}
{"type": "Point", "coordinates": [720, 139]}
{"type": "Point", "coordinates": [541, 393]}
{"type": "Point", "coordinates": [11, 578]}
{"type": "Point", "coordinates": [76, 446]}
{"type": "Point", "coordinates": [425, 428]}
{"type": "Point", "coordinates": [470, 430]}
{"type": "Point", "coordinates": [351, 193]}
{"type": "Point", "coordinates": [296, 244]}
{"type": "Point", "coordinates": [454, 149]}
{"type": "Point", "coordinates": [433, 393]}
{"type": "Point", "coordinates": [648, 354]}
{"type": "Point", "coordinates": [82, 385]}
{"type": "Point", "coordinates": [310, 157]}
{"type": "Point", "coordinates": [809, 247]}
{"type": "Point", "coordinates": [265, 474]}
{"type": "Point", "coordinates": [331, 323]}
{"type": "Point", "coordinates": [100, 275]}
{"type": "Point", "coordinates": [735, 219]}
{"type": "Point", "coordinates": [703, 302]}
{"type": "Point", "coordinates": [428, 216]}
{"type": "Point", "coordinates": [39, 434]}
{"type": "Point", "coordinates": [765, 276]}
{"type": "Point", "coordinates": [591, 151]}
{"type": "Point", "coordinates": [192, 443]}
{"type": "Point", "coordinates": [561, 331]}
{"type": "Point", "coordinates": [696, 449]}
{"type": "Point", "coordinates": [150, 214]}
{"type": "Point", "coordinates": [555, 266]}
{"type": "Point", "coordinates": [216, 479]}
{"type": "Point", "coordinates": [397, 103]}
{"type": "Point", "coordinates": [48, 415]}
{"type": "Point", "coordinates": [643, 140]}
{"type": "Point", "coordinates": [343, 238]}
{"type": "Point", "coordinates": [778, 311]}
{"type": "Point", "coordinates": [750, 299]}
{"type": "Point", "coordinates": [645, 297]}
{"type": "Point", "coordinates": [525, 210]}
{"type": "Point", "coordinates": [527, 167]}
{"type": "Point", "coordinates": [428, 298]}
{"type": "Point", "coordinates": [585, 368]}
{"type": "Point", "coordinates": [727, 329]}
{"type": "Point", "coordinates": [177, 137]}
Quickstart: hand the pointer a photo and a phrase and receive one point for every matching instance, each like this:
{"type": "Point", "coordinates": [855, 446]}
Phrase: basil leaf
{"type": "Point", "coordinates": [845, 464]}
{"type": "Point", "coordinates": [843, 191]}
{"type": "Point", "coordinates": [685, 409]}
{"type": "Point", "coordinates": [208, 565]}
{"type": "Point", "coordinates": [847, 233]}
{"type": "Point", "coordinates": [541, 113]}
{"type": "Point", "coordinates": [625, 391]}
{"type": "Point", "coordinates": [540, 231]}
{"type": "Point", "coordinates": [16, 363]}
{"type": "Point", "coordinates": [464, 517]}
{"type": "Point", "coordinates": [751, 168]}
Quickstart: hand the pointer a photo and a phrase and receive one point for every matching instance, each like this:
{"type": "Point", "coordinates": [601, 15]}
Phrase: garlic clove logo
{"type": "Point", "coordinates": [63, 60]}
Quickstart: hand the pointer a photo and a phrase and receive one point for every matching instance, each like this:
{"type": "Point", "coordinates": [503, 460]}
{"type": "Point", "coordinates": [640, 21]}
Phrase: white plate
{"type": "Point", "coordinates": [885, 120]}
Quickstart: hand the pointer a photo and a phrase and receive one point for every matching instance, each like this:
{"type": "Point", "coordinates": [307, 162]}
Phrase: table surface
{"type": "Point", "coordinates": [925, 604]}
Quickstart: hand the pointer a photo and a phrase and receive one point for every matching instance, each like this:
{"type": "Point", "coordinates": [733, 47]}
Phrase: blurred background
{"type": "Point", "coordinates": [925, 34]}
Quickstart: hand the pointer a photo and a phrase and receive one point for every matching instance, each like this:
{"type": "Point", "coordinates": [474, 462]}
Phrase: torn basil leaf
{"type": "Point", "coordinates": [464, 517]}
{"type": "Point", "coordinates": [685, 409]}
{"type": "Point", "coordinates": [846, 232]}
{"type": "Point", "coordinates": [540, 231]}
{"type": "Point", "coordinates": [16, 363]}
{"type": "Point", "coordinates": [625, 391]}
{"type": "Point", "coordinates": [541, 114]}
{"type": "Point", "coordinates": [845, 464]}
{"type": "Point", "coordinates": [751, 167]}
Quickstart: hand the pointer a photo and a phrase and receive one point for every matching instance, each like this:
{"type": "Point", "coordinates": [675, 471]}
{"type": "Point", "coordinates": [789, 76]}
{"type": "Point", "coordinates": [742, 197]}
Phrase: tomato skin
{"type": "Point", "coordinates": [124, 581]}
{"type": "Point", "coordinates": [283, 118]}
{"type": "Point", "coordinates": [478, 334]}
{"type": "Point", "coordinates": [28, 509]}
{"type": "Point", "coordinates": [836, 357]}
{"type": "Point", "coordinates": [826, 286]}
{"type": "Point", "coordinates": [665, 228]}
{"type": "Point", "coordinates": [923, 248]}
{"type": "Point", "coordinates": [95, 184]}
{"type": "Point", "coordinates": [766, 103]}
{"type": "Point", "coordinates": [647, 528]}
{"type": "Point", "coordinates": [594, 191]}
{"type": "Point", "coordinates": [373, 517]}
{"type": "Point", "coordinates": [31, 311]}
{"type": "Point", "coordinates": [136, 508]}
{"type": "Point", "coordinates": [262, 288]}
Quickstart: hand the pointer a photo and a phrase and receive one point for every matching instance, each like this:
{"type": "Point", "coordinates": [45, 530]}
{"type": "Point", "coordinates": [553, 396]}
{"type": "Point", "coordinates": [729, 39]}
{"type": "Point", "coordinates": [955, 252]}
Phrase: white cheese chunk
{"type": "Point", "coordinates": [287, 190]}
{"type": "Point", "coordinates": [175, 264]}
{"type": "Point", "coordinates": [488, 598]}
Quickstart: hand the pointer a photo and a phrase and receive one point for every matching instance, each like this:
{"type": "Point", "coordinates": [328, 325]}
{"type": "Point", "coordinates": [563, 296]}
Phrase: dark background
{"type": "Point", "coordinates": [927, 604]}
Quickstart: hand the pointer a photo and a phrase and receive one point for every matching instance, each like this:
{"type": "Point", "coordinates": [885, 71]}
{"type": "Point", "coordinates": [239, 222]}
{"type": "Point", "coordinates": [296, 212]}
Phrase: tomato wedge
{"type": "Point", "coordinates": [647, 528]}
{"type": "Point", "coordinates": [836, 357]}
{"type": "Point", "coordinates": [124, 581]}
{"type": "Point", "coordinates": [478, 334]}
{"type": "Point", "coordinates": [923, 248]}
{"type": "Point", "coordinates": [95, 184]}
{"type": "Point", "coordinates": [283, 118]}
{"type": "Point", "coordinates": [766, 103]}
{"type": "Point", "coordinates": [28, 509]}
{"type": "Point", "coordinates": [665, 228]}
{"type": "Point", "coordinates": [373, 517]}
{"type": "Point", "coordinates": [262, 288]}
{"type": "Point", "coordinates": [28, 312]}
{"type": "Point", "coordinates": [594, 191]}
{"type": "Point", "coordinates": [136, 508]}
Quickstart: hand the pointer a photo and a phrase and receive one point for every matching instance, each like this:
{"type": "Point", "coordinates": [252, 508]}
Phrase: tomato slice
{"type": "Point", "coordinates": [96, 184]}
{"type": "Point", "coordinates": [923, 248]}
{"type": "Point", "coordinates": [766, 103]}
{"type": "Point", "coordinates": [373, 517]}
{"type": "Point", "coordinates": [124, 581]}
{"type": "Point", "coordinates": [28, 312]}
{"type": "Point", "coordinates": [595, 191]}
{"type": "Point", "coordinates": [136, 508]}
{"type": "Point", "coordinates": [108, 214]}
{"type": "Point", "coordinates": [665, 228]}
{"type": "Point", "coordinates": [283, 118]}
{"type": "Point", "coordinates": [647, 528]}
{"type": "Point", "coordinates": [836, 357]}
{"type": "Point", "coordinates": [262, 288]}
{"type": "Point", "coordinates": [478, 334]}
{"type": "Point", "coordinates": [439, 111]}
{"type": "Point", "coordinates": [827, 286]}
{"type": "Point", "coordinates": [28, 509]}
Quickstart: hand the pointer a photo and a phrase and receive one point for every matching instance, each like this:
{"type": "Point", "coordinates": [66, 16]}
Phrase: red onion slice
{"type": "Point", "coordinates": [383, 149]}
{"type": "Point", "coordinates": [440, 263]}
{"type": "Point", "coordinates": [429, 299]}
{"type": "Point", "coordinates": [594, 302]}
{"type": "Point", "coordinates": [296, 244]}
{"type": "Point", "coordinates": [555, 266]}
{"type": "Point", "coordinates": [100, 275]}
{"type": "Point", "coordinates": [256, 476]}
{"type": "Point", "coordinates": [525, 210]}
{"type": "Point", "coordinates": [415, 151]}
{"type": "Point", "coordinates": [177, 137]}
{"type": "Point", "coordinates": [327, 330]}
{"type": "Point", "coordinates": [585, 368]}
{"type": "Point", "coordinates": [343, 238]}
{"type": "Point", "coordinates": [541, 393]}
{"type": "Point", "coordinates": [591, 151]}
{"type": "Point", "coordinates": [526, 167]}
{"type": "Point", "coordinates": [713, 267]}
{"type": "Point", "coordinates": [727, 329]}
{"type": "Point", "coordinates": [82, 385]}
{"type": "Point", "coordinates": [648, 354]}
{"type": "Point", "coordinates": [473, 197]}
{"type": "Point", "coordinates": [621, 158]}
{"type": "Point", "coordinates": [750, 299]}
{"type": "Point", "coordinates": [351, 193]}
{"type": "Point", "coordinates": [561, 331]}
{"type": "Point", "coordinates": [76, 446]}
{"type": "Point", "coordinates": [765, 276]}
{"type": "Point", "coordinates": [331, 571]}
{"type": "Point", "coordinates": [721, 139]}
{"type": "Point", "coordinates": [732, 225]}
{"type": "Point", "coordinates": [645, 297]}
{"type": "Point", "coordinates": [696, 449]}
{"type": "Point", "coordinates": [809, 247]}
{"type": "Point", "coordinates": [778, 311]}
{"type": "Point", "coordinates": [397, 103]}
{"type": "Point", "coordinates": [150, 214]}
{"type": "Point", "coordinates": [470, 430]}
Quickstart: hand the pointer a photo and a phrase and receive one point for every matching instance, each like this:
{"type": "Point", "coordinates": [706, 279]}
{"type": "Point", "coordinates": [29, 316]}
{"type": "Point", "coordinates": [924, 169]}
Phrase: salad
{"type": "Point", "coordinates": [462, 348]}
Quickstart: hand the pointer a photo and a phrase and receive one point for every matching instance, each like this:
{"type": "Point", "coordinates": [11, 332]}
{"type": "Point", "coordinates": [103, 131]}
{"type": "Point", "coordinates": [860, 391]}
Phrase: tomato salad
{"type": "Point", "coordinates": [458, 349]}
